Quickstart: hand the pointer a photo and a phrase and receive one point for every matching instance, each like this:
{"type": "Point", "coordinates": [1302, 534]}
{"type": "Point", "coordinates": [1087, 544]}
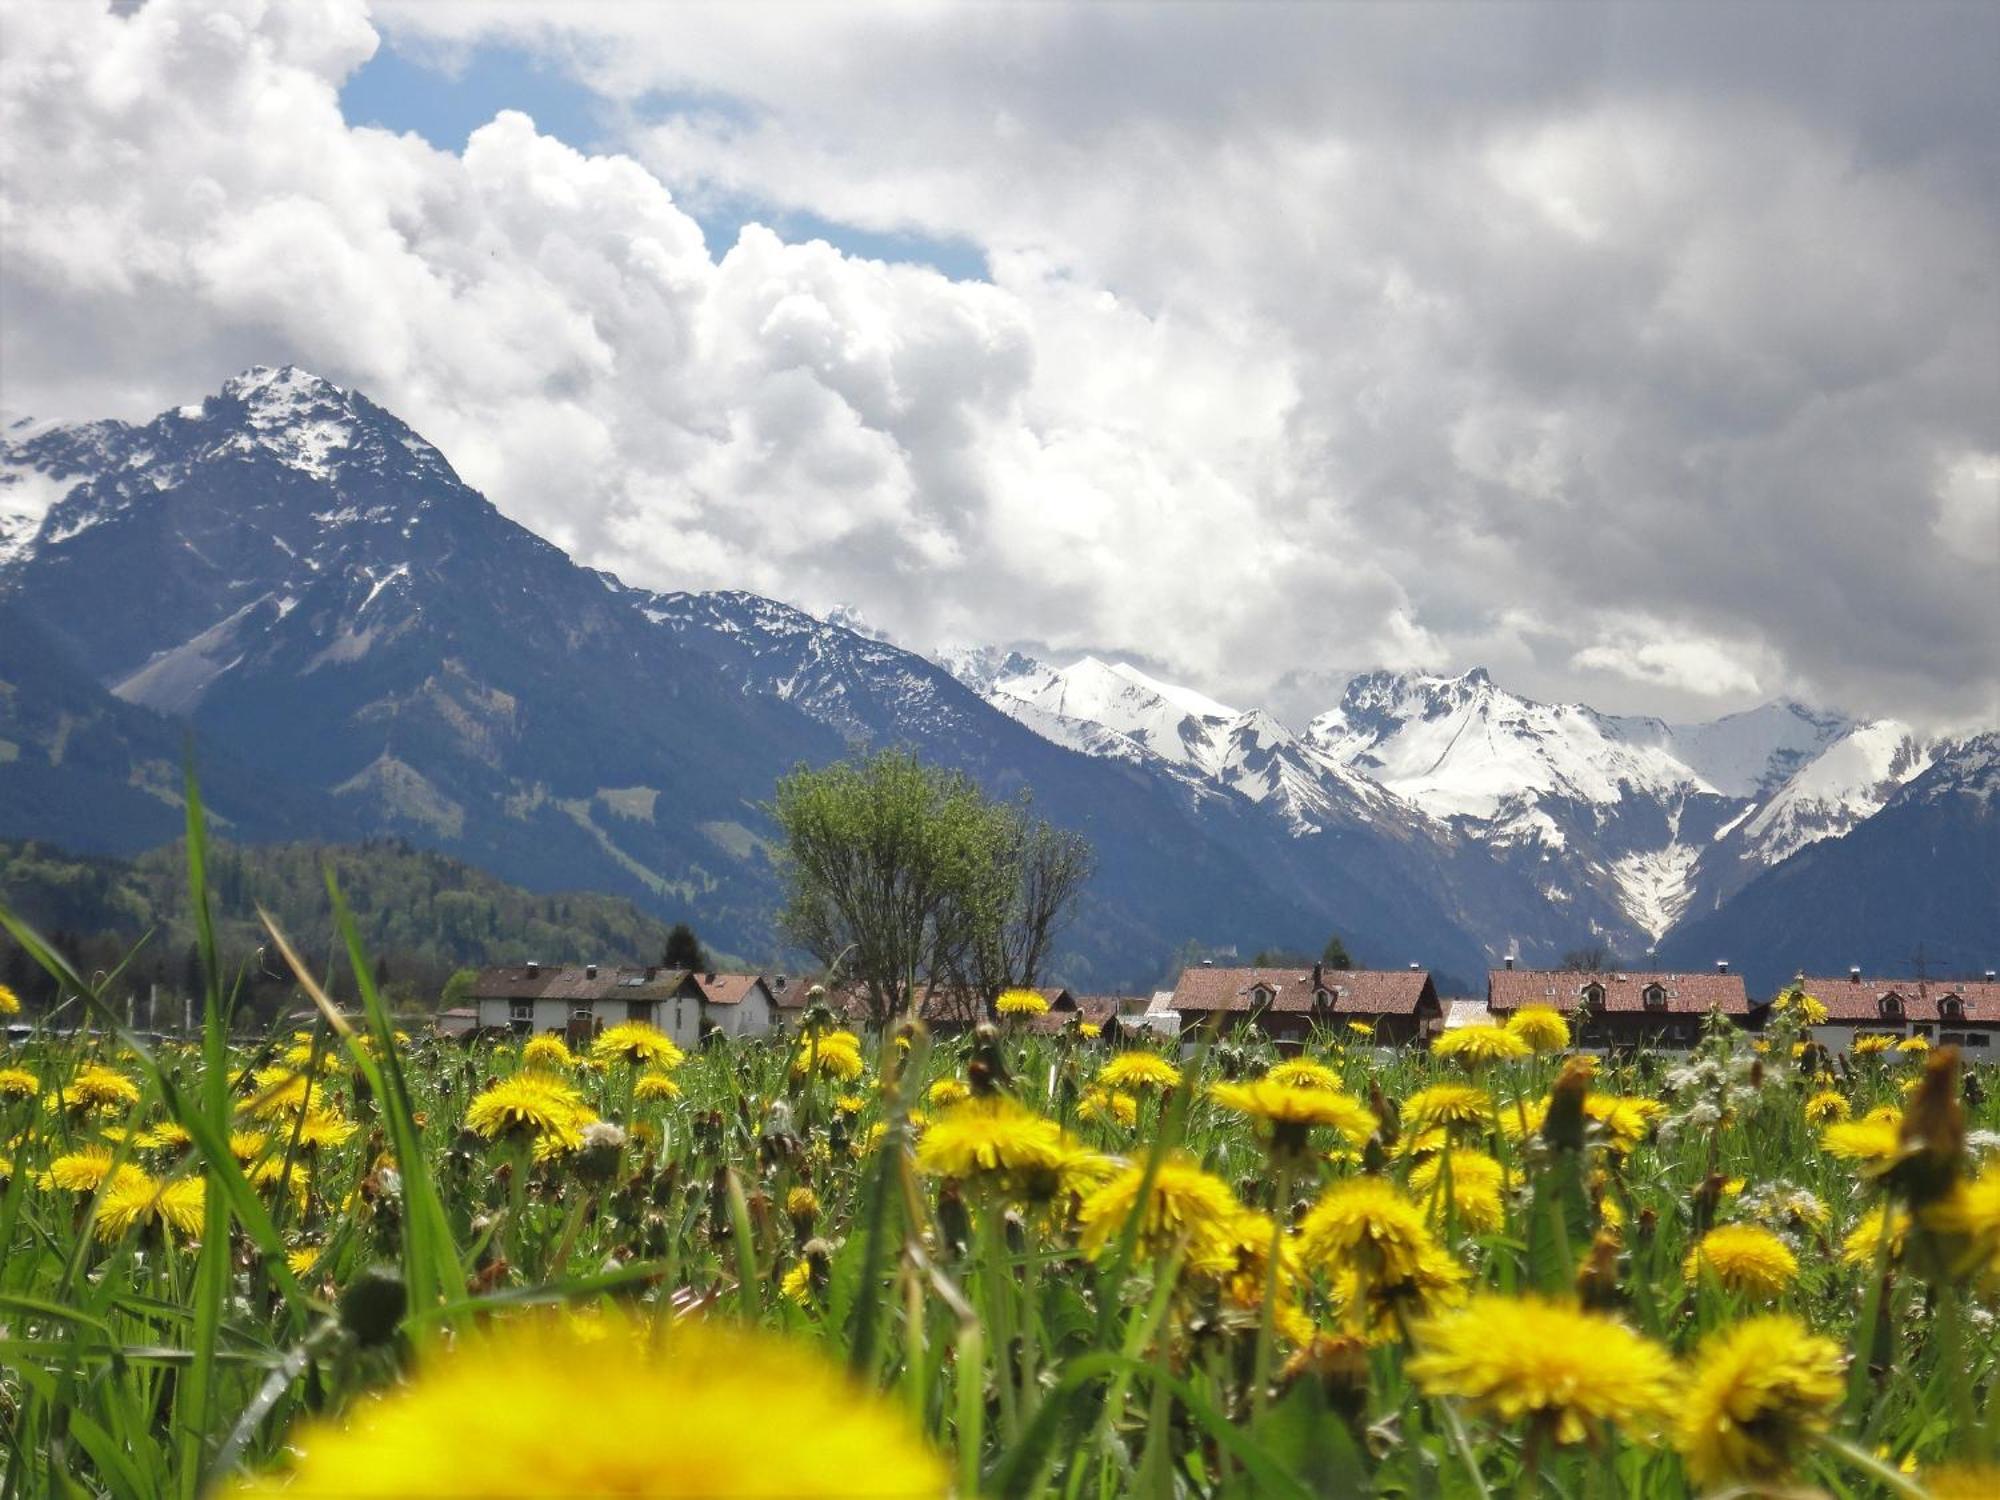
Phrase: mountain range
{"type": "Point", "coordinates": [355, 643]}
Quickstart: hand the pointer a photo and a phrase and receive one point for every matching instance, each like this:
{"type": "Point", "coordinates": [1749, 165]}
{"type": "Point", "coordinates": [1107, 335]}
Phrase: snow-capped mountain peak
{"type": "Point", "coordinates": [1848, 781]}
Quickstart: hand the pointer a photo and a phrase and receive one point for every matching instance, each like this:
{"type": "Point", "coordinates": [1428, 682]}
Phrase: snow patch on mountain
{"type": "Point", "coordinates": [1748, 754]}
{"type": "Point", "coordinates": [1847, 782]}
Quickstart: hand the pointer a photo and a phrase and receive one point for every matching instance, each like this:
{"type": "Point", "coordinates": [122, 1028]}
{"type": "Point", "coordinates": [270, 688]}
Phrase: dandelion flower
{"type": "Point", "coordinates": [1476, 1180]}
{"type": "Point", "coordinates": [1551, 1364]}
{"type": "Point", "coordinates": [1362, 1028]}
{"type": "Point", "coordinates": [1302, 1073]}
{"type": "Point", "coordinates": [1879, 1223]}
{"type": "Point", "coordinates": [1367, 1225]}
{"type": "Point", "coordinates": [1827, 1108]}
{"type": "Point", "coordinates": [1377, 1309]}
{"type": "Point", "coordinates": [1871, 1142]}
{"type": "Point", "coordinates": [547, 1052]}
{"type": "Point", "coordinates": [596, 1395]}
{"type": "Point", "coordinates": [1139, 1070]}
{"type": "Point", "coordinates": [10, 1003]}
{"type": "Point", "coordinates": [654, 1084]}
{"type": "Point", "coordinates": [1182, 1201]}
{"type": "Point", "coordinates": [79, 1171]}
{"type": "Point", "coordinates": [1090, 1031]}
{"type": "Point", "coordinates": [1969, 1219]}
{"type": "Point", "coordinates": [1872, 1044]}
{"type": "Point", "coordinates": [838, 1054]}
{"type": "Point", "coordinates": [998, 1141]}
{"type": "Point", "coordinates": [326, 1128]}
{"type": "Point", "coordinates": [1914, 1044]}
{"type": "Point", "coordinates": [530, 1106]}
{"type": "Point", "coordinates": [279, 1091]}
{"type": "Point", "coordinates": [1448, 1105]}
{"type": "Point", "coordinates": [1107, 1105]}
{"type": "Point", "coordinates": [1289, 1113]}
{"type": "Point", "coordinates": [1021, 1003]}
{"type": "Point", "coordinates": [1543, 1029]}
{"type": "Point", "coordinates": [636, 1043]}
{"type": "Point", "coordinates": [1745, 1258]}
{"type": "Point", "coordinates": [1962, 1482]}
{"type": "Point", "coordinates": [302, 1258]}
{"type": "Point", "coordinates": [96, 1087]}
{"type": "Point", "coordinates": [136, 1201]}
{"type": "Point", "coordinates": [1476, 1046]}
{"type": "Point", "coordinates": [1761, 1390]}
{"type": "Point", "coordinates": [18, 1083]}
{"type": "Point", "coordinates": [945, 1093]}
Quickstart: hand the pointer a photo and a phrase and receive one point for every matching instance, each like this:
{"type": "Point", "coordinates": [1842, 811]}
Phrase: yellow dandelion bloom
{"type": "Point", "coordinates": [96, 1087]}
{"type": "Point", "coordinates": [1475, 1179]}
{"type": "Point", "coordinates": [18, 1083]}
{"type": "Point", "coordinates": [1562, 1370]}
{"type": "Point", "coordinates": [1871, 1142]}
{"type": "Point", "coordinates": [1962, 1481]}
{"type": "Point", "coordinates": [1476, 1046]}
{"type": "Point", "coordinates": [999, 1142]}
{"type": "Point", "coordinates": [529, 1106]}
{"type": "Point", "coordinates": [1914, 1044]}
{"type": "Point", "coordinates": [247, 1145]}
{"type": "Point", "coordinates": [1760, 1392]}
{"type": "Point", "coordinates": [1366, 1225]}
{"type": "Point", "coordinates": [168, 1135]}
{"type": "Point", "coordinates": [1090, 1031]}
{"type": "Point", "coordinates": [1377, 1309]}
{"type": "Point", "coordinates": [1362, 1028]}
{"type": "Point", "coordinates": [279, 1091]}
{"type": "Point", "coordinates": [838, 1054]}
{"type": "Point", "coordinates": [1827, 1108]}
{"type": "Point", "coordinates": [596, 1396]}
{"type": "Point", "coordinates": [1969, 1219]}
{"type": "Point", "coordinates": [1872, 1044]}
{"type": "Point", "coordinates": [1865, 1241]}
{"type": "Point", "coordinates": [636, 1043]}
{"type": "Point", "coordinates": [1745, 1258]}
{"type": "Point", "coordinates": [945, 1093]}
{"type": "Point", "coordinates": [1303, 1073]}
{"type": "Point", "coordinates": [796, 1284]}
{"type": "Point", "coordinates": [1021, 1003]}
{"type": "Point", "coordinates": [1448, 1105]}
{"type": "Point", "coordinates": [802, 1203]}
{"type": "Point", "coordinates": [324, 1129]}
{"type": "Point", "coordinates": [136, 1201]}
{"type": "Point", "coordinates": [1183, 1202]}
{"type": "Point", "coordinates": [302, 1258]}
{"type": "Point", "coordinates": [10, 1003]}
{"type": "Point", "coordinates": [79, 1171]}
{"type": "Point", "coordinates": [1138, 1070]}
{"type": "Point", "coordinates": [1543, 1029]}
{"type": "Point", "coordinates": [1290, 1113]}
{"type": "Point", "coordinates": [1104, 1105]}
{"type": "Point", "coordinates": [547, 1051]}
{"type": "Point", "coordinates": [654, 1085]}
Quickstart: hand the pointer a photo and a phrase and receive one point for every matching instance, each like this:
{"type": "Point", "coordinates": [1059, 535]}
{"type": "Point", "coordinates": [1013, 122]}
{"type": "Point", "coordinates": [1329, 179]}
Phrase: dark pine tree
{"type": "Point", "coordinates": [683, 949]}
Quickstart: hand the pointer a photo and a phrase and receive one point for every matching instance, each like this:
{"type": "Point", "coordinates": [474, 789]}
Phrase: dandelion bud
{"type": "Point", "coordinates": [373, 1305]}
{"type": "Point", "coordinates": [1563, 1128]}
{"type": "Point", "coordinates": [954, 1222]}
{"type": "Point", "coordinates": [1933, 1134]}
{"type": "Point", "coordinates": [802, 1208]}
{"type": "Point", "coordinates": [1597, 1277]}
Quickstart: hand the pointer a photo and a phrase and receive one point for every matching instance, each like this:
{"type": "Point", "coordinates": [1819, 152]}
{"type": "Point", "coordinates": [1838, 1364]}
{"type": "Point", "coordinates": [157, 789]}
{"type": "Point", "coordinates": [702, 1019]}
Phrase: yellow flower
{"type": "Point", "coordinates": [595, 1397]}
{"type": "Point", "coordinates": [1102, 1104]}
{"type": "Point", "coordinates": [1448, 1104]}
{"type": "Point", "coordinates": [1745, 1258]}
{"type": "Point", "coordinates": [1826, 1108]}
{"type": "Point", "coordinates": [1914, 1044]}
{"type": "Point", "coordinates": [10, 1003]}
{"type": "Point", "coordinates": [1873, 1142]}
{"type": "Point", "coordinates": [168, 1135]}
{"type": "Point", "coordinates": [1090, 1031]}
{"type": "Point", "coordinates": [135, 1200]}
{"type": "Point", "coordinates": [1476, 1046]}
{"type": "Point", "coordinates": [1551, 1364]}
{"type": "Point", "coordinates": [1301, 1073]}
{"type": "Point", "coordinates": [18, 1083]}
{"type": "Point", "coordinates": [1139, 1070]}
{"type": "Point", "coordinates": [1543, 1029]}
{"type": "Point", "coordinates": [280, 1091]}
{"type": "Point", "coordinates": [1760, 1392]}
{"type": "Point", "coordinates": [1476, 1180]}
{"type": "Point", "coordinates": [1362, 1028]}
{"type": "Point", "coordinates": [839, 1055]}
{"type": "Point", "coordinates": [635, 1042]}
{"type": "Point", "coordinates": [998, 1141]}
{"type": "Point", "coordinates": [653, 1084]}
{"type": "Point", "coordinates": [1879, 1223]}
{"type": "Point", "coordinates": [1963, 1482]}
{"type": "Point", "coordinates": [247, 1145]}
{"type": "Point", "coordinates": [802, 1203]}
{"type": "Point", "coordinates": [1290, 1112]}
{"type": "Point", "coordinates": [546, 1051]}
{"type": "Point", "coordinates": [1365, 1225]}
{"type": "Point", "coordinates": [80, 1171]}
{"type": "Point", "coordinates": [796, 1286]}
{"type": "Point", "coordinates": [325, 1128]}
{"type": "Point", "coordinates": [302, 1258]}
{"type": "Point", "coordinates": [1874, 1042]}
{"type": "Point", "coordinates": [945, 1093]}
{"type": "Point", "coordinates": [530, 1106]}
{"type": "Point", "coordinates": [1184, 1201]}
{"type": "Point", "coordinates": [1021, 1003]}
{"type": "Point", "coordinates": [1377, 1309]}
{"type": "Point", "coordinates": [98, 1087]}
{"type": "Point", "coordinates": [1969, 1217]}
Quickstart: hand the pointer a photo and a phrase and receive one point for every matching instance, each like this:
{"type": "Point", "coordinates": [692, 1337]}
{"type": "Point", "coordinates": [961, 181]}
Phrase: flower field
{"type": "Point", "coordinates": [344, 1261]}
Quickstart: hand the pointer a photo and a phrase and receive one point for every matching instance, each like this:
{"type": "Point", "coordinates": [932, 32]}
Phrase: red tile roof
{"type": "Point", "coordinates": [1354, 992]}
{"type": "Point", "coordinates": [1850, 999]}
{"type": "Point", "coordinates": [727, 989]}
{"type": "Point", "coordinates": [1624, 991]}
{"type": "Point", "coordinates": [574, 983]}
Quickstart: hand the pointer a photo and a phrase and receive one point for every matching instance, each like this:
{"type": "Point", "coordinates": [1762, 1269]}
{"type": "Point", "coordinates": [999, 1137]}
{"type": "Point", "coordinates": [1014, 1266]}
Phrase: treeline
{"type": "Point", "coordinates": [420, 916]}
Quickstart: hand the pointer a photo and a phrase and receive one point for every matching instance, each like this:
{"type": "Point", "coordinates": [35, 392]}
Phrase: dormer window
{"type": "Point", "coordinates": [1323, 998]}
{"type": "Point", "coordinates": [1952, 1008]}
{"type": "Point", "coordinates": [1655, 997]}
{"type": "Point", "coordinates": [1892, 1007]}
{"type": "Point", "coordinates": [1593, 996]}
{"type": "Point", "coordinates": [1260, 995]}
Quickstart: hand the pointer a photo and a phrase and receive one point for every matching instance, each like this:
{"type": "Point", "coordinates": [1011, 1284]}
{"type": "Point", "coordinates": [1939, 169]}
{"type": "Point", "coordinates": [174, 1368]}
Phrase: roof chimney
{"type": "Point", "coordinates": [1722, 966]}
{"type": "Point", "coordinates": [1508, 960]}
{"type": "Point", "coordinates": [590, 971]}
{"type": "Point", "coordinates": [1415, 967]}
{"type": "Point", "coordinates": [1208, 963]}
{"type": "Point", "coordinates": [534, 969]}
{"type": "Point", "coordinates": [1989, 976]}
{"type": "Point", "coordinates": [1854, 973]}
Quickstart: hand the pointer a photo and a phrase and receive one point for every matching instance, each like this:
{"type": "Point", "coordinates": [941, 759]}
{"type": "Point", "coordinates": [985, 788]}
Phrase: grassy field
{"type": "Point", "coordinates": [335, 1263]}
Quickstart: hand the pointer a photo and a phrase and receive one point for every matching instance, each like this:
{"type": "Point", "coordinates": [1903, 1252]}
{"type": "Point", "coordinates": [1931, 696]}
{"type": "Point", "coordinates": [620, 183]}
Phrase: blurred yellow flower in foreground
{"type": "Point", "coordinates": [1761, 1390]}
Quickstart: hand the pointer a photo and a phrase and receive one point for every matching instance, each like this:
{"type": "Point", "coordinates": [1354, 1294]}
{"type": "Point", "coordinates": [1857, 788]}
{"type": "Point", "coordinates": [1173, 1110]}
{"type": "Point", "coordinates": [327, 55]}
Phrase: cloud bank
{"type": "Point", "coordinates": [1645, 356]}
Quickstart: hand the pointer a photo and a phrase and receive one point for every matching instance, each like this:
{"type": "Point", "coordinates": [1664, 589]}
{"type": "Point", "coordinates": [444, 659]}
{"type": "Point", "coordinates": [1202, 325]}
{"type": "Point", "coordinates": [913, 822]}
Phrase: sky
{"type": "Point", "coordinates": [1648, 356]}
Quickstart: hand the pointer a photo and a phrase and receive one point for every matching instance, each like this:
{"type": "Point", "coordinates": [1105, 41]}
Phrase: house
{"type": "Point", "coordinates": [1286, 1004]}
{"type": "Point", "coordinates": [582, 999]}
{"type": "Point", "coordinates": [735, 1004]}
{"type": "Point", "coordinates": [1962, 1012]}
{"type": "Point", "coordinates": [457, 1021]}
{"type": "Point", "coordinates": [1627, 1007]}
{"type": "Point", "coordinates": [1066, 1010]}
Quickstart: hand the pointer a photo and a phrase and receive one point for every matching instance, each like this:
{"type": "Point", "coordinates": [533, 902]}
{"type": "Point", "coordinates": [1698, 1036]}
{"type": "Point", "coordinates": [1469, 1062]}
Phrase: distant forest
{"type": "Point", "coordinates": [420, 915]}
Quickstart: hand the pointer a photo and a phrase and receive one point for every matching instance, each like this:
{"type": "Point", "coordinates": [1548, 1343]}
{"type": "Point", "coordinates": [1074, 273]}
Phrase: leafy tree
{"type": "Point", "coordinates": [1334, 955]}
{"type": "Point", "coordinates": [898, 873]}
{"type": "Point", "coordinates": [683, 950]}
{"type": "Point", "coordinates": [457, 990]}
{"type": "Point", "coordinates": [1589, 958]}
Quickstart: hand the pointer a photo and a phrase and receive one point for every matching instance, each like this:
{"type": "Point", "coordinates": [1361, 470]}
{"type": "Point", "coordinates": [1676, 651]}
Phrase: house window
{"type": "Point", "coordinates": [1976, 1039]}
{"type": "Point", "coordinates": [1260, 996]}
{"type": "Point", "coordinates": [1593, 996]}
{"type": "Point", "coordinates": [1655, 997]}
{"type": "Point", "coordinates": [1952, 1039]}
{"type": "Point", "coordinates": [1922, 1028]}
{"type": "Point", "coordinates": [1952, 1008]}
{"type": "Point", "coordinates": [521, 1016]}
{"type": "Point", "coordinates": [1892, 1007]}
{"type": "Point", "coordinates": [638, 1010]}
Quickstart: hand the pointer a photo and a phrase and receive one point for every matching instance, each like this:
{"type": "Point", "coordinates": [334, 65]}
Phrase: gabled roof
{"type": "Point", "coordinates": [727, 989]}
{"type": "Point", "coordinates": [1352, 992]}
{"type": "Point", "coordinates": [1850, 999]}
{"type": "Point", "coordinates": [574, 984]}
{"type": "Point", "coordinates": [1624, 991]}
